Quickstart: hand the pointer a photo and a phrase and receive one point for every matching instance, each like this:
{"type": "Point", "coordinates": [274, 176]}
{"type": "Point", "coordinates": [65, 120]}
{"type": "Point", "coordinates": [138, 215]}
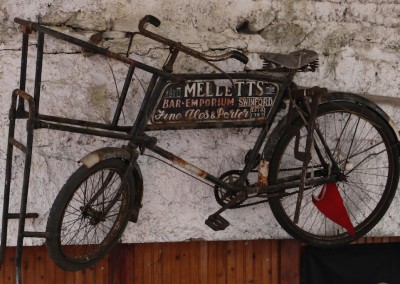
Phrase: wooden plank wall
{"type": "Point", "coordinates": [38, 267]}
{"type": "Point", "coordinates": [197, 262]}
{"type": "Point", "coordinates": [233, 262]}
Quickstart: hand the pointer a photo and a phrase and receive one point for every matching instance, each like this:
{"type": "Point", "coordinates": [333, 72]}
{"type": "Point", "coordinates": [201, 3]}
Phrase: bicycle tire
{"type": "Point", "coordinates": [352, 132]}
{"type": "Point", "coordinates": [79, 236]}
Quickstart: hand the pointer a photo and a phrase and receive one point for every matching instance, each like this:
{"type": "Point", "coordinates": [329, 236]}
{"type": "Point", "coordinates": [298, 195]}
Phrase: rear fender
{"type": "Point", "coordinates": [330, 97]}
{"type": "Point", "coordinates": [342, 96]}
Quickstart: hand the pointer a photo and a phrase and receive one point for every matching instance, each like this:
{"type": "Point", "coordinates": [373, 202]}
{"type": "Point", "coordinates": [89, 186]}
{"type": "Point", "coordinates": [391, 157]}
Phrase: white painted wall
{"type": "Point", "coordinates": [359, 44]}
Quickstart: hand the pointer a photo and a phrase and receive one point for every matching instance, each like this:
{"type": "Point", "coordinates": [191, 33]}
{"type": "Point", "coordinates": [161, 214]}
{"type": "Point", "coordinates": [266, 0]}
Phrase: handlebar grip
{"type": "Point", "coordinates": [152, 20]}
{"type": "Point", "coordinates": [240, 56]}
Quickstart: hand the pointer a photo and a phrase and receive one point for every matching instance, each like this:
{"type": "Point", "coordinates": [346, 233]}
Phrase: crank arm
{"type": "Point", "coordinates": [216, 221]}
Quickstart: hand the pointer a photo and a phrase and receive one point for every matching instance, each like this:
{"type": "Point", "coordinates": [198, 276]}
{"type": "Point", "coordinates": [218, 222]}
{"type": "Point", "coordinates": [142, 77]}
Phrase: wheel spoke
{"type": "Point", "coordinates": [367, 169]}
{"type": "Point", "coordinates": [85, 232]}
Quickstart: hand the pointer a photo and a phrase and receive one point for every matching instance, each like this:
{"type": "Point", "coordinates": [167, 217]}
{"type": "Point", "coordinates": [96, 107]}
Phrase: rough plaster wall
{"type": "Point", "coordinates": [358, 41]}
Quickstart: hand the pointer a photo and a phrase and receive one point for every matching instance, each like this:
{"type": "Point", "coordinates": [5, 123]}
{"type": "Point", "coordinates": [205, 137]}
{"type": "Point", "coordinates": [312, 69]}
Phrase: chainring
{"type": "Point", "coordinates": [221, 195]}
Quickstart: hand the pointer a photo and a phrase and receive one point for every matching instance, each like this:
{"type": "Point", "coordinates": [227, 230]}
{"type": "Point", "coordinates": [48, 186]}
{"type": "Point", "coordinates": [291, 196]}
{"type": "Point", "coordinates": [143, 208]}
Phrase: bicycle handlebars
{"type": "Point", "coordinates": [149, 19]}
{"type": "Point", "coordinates": [239, 56]}
{"type": "Point", "coordinates": [177, 45]}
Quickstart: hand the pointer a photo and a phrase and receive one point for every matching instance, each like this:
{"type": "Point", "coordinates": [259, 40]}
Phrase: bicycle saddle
{"type": "Point", "coordinates": [294, 60]}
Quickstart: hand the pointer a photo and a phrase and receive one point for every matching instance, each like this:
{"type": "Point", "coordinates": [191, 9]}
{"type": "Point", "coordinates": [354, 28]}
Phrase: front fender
{"type": "Point", "coordinates": [98, 155]}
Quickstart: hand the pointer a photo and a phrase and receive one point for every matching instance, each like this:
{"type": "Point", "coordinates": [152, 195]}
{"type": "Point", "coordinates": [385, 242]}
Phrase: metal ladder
{"type": "Point", "coordinates": [35, 121]}
{"type": "Point", "coordinates": [17, 111]}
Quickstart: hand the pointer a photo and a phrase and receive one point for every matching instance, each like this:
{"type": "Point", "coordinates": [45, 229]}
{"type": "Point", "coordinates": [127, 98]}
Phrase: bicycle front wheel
{"type": "Point", "coordinates": [89, 214]}
{"type": "Point", "coordinates": [365, 149]}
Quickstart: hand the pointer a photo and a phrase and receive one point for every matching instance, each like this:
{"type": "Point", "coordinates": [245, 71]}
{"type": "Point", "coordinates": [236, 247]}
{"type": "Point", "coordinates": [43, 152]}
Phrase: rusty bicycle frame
{"type": "Point", "coordinates": [136, 135]}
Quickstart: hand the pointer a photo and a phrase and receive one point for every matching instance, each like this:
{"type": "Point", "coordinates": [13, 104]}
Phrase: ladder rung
{"type": "Point", "coordinates": [17, 144]}
{"type": "Point", "coordinates": [27, 215]}
{"type": "Point", "coordinates": [36, 234]}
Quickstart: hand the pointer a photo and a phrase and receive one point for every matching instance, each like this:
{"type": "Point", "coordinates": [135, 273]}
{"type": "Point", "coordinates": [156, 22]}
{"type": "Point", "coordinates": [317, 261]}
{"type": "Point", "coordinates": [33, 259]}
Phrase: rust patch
{"type": "Point", "coordinates": [188, 166]}
{"type": "Point", "coordinates": [263, 173]}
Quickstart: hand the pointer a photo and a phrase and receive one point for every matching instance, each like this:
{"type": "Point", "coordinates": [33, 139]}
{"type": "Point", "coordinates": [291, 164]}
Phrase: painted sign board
{"type": "Point", "coordinates": [215, 101]}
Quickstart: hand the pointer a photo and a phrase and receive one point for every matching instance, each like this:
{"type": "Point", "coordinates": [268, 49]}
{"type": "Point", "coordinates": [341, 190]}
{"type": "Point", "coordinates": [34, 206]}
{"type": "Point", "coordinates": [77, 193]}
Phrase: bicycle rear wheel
{"type": "Point", "coordinates": [82, 229]}
{"type": "Point", "coordinates": [364, 146]}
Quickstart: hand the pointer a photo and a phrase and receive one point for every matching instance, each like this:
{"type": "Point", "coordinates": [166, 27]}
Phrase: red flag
{"type": "Point", "coordinates": [330, 203]}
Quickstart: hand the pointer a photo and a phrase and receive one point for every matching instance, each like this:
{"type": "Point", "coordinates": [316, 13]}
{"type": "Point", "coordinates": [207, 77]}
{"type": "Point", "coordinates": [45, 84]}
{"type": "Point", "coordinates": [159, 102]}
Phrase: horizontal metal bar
{"type": "Point", "coordinates": [44, 119]}
{"type": "Point", "coordinates": [82, 123]}
{"type": "Point", "coordinates": [92, 47]}
{"type": "Point", "coordinates": [17, 215]}
{"type": "Point", "coordinates": [140, 140]}
{"type": "Point", "coordinates": [44, 235]}
{"type": "Point", "coordinates": [205, 125]}
{"type": "Point", "coordinates": [17, 144]}
{"type": "Point", "coordinates": [238, 75]}
{"type": "Point", "coordinates": [82, 130]}
{"type": "Point", "coordinates": [279, 187]}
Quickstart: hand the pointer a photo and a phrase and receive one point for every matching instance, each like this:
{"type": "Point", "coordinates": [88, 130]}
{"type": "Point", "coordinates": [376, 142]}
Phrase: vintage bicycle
{"type": "Point", "coordinates": [321, 143]}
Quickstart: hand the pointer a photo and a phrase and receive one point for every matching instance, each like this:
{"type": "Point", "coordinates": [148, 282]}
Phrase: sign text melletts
{"type": "Point", "coordinates": [207, 101]}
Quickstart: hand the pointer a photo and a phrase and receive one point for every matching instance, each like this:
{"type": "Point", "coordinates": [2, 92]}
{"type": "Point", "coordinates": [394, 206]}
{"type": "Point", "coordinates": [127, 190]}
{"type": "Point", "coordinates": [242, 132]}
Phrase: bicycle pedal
{"type": "Point", "coordinates": [217, 222]}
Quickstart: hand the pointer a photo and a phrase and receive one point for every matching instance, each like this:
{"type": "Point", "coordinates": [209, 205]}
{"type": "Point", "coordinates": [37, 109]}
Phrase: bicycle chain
{"type": "Point", "coordinates": [240, 205]}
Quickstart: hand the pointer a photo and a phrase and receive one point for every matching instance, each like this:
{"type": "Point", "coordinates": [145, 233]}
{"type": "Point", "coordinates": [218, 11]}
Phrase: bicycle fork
{"type": "Point", "coordinates": [86, 210]}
